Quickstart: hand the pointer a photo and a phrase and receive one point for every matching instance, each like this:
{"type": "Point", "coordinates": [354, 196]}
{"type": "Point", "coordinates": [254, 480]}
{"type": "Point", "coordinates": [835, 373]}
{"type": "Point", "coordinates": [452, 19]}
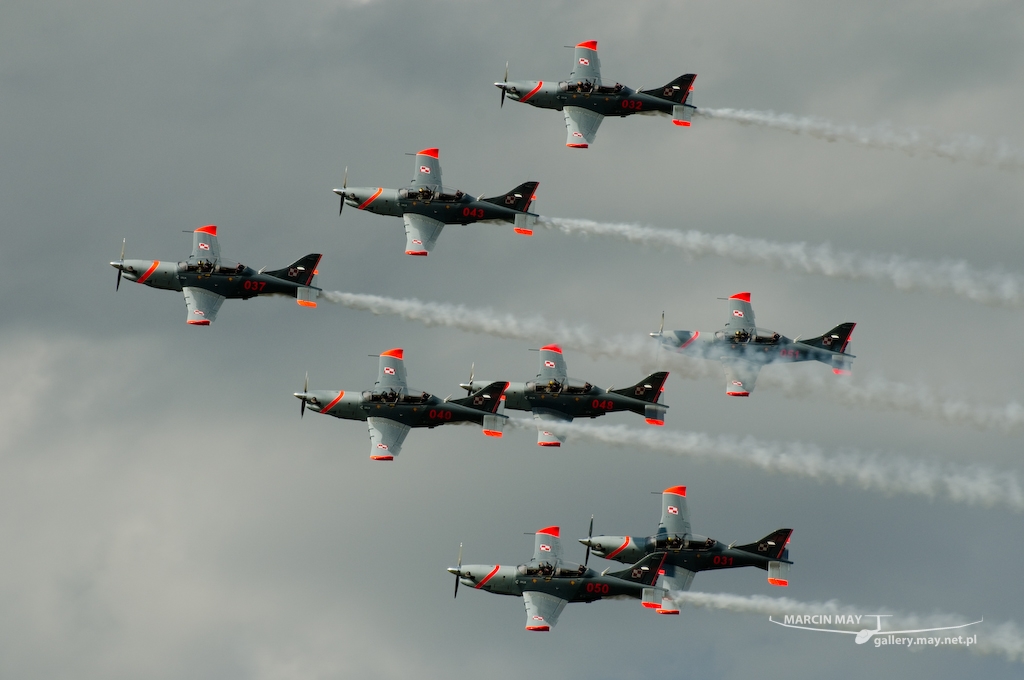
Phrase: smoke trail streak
{"type": "Point", "coordinates": [887, 473]}
{"type": "Point", "coordinates": [1005, 639]}
{"type": "Point", "coordinates": [911, 141]}
{"type": "Point", "coordinates": [956, 277]}
{"type": "Point", "coordinates": [874, 393]}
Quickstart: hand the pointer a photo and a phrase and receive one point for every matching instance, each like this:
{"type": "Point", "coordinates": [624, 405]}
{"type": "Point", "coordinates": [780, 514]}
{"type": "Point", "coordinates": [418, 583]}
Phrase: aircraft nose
{"type": "Point", "coordinates": [589, 542]}
{"type": "Point", "coordinates": [116, 265]}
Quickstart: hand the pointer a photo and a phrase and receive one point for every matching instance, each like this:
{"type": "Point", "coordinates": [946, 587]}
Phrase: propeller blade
{"type": "Point", "coordinates": [459, 575]}
{"type": "Point", "coordinates": [305, 389]}
{"type": "Point", "coordinates": [505, 82]}
{"type": "Point", "coordinates": [472, 372]}
{"type": "Point", "coordinates": [117, 286]}
{"type": "Point", "coordinates": [344, 185]}
{"type": "Point", "coordinates": [590, 535]}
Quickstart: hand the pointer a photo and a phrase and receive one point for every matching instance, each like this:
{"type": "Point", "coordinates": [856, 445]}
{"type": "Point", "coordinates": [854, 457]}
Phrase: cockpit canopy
{"type": "Point", "coordinates": [432, 193]}
{"type": "Point", "coordinates": [402, 396]}
{"type": "Point", "coordinates": [588, 86]}
{"type": "Point", "coordinates": [570, 386]}
{"type": "Point", "coordinates": [675, 542]}
{"type": "Point", "coordinates": [204, 266]}
{"type": "Point", "coordinates": [759, 336]}
{"type": "Point", "coordinates": [548, 569]}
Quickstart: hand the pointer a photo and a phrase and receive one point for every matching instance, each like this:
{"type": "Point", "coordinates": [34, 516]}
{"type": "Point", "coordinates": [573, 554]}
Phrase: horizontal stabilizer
{"type": "Point", "coordinates": [300, 271]}
{"type": "Point", "coordinates": [778, 573]}
{"type": "Point", "coordinates": [488, 399]}
{"type": "Point", "coordinates": [519, 198]}
{"type": "Point", "coordinates": [771, 546]}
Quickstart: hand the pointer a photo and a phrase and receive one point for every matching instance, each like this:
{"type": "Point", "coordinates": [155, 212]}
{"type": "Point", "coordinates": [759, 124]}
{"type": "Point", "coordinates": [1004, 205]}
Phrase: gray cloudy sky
{"type": "Point", "coordinates": [166, 514]}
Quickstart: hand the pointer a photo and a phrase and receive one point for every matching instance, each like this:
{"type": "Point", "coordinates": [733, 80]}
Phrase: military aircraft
{"type": "Point", "coordinates": [391, 409]}
{"type": "Point", "coordinates": [743, 348]}
{"type": "Point", "coordinates": [547, 582]}
{"type": "Point", "coordinates": [687, 553]}
{"type": "Point", "coordinates": [585, 100]}
{"type": "Point", "coordinates": [426, 206]}
{"type": "Point", "coordinates": [207, 280]}
{"type": "Point", "coordinates": [555, 398]}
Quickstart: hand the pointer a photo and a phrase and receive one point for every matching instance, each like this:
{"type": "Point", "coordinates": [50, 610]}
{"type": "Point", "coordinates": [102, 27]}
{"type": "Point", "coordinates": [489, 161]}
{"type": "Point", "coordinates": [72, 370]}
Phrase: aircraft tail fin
{"type": "Point", "coordinates": [519, 198]}
{"type": "Point", "coordinates": [649, 389]}
{"type": "Point", "coordinates": [677, 91]}
{"type": "Point", "coordinates": [644, 572]}
{"type": "Point", "coordinates": [772, 546]}
{"type": "Point", "coordinates": [301, 271]}
{"type": "Point", "coordinates": [487, 399]}
{"type": "Point", "coordinates": [835, 340]}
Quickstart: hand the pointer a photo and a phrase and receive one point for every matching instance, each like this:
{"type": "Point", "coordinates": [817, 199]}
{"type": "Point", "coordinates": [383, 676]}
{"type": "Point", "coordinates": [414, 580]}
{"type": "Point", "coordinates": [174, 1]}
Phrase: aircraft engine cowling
{"type": "Point", "coordinates": [154, 273]}
{"type": "Point", "coordinates": [618, 548]}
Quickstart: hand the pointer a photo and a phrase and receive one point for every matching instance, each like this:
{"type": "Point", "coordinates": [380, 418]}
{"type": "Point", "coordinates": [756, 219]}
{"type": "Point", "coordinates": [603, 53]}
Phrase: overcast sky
{"type": "Point", "coordinates": [166, 513]}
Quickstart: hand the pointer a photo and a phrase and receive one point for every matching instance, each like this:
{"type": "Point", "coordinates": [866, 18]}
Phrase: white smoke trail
{"type": "Point", "coordinates": [911, 141]}
{"type": "Point", "coordinates": [956, 277]}
{"type": "Point", "coordinates": [875, 393]}
{"type": "Point", "coordinates": [887, 473]}
{"type": "Point", "coordinates": [1004, 639]}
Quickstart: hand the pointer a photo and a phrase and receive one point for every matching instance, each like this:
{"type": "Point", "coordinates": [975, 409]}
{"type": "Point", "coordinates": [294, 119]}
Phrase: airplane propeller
{"type": "Point", "coordinates": [305, 390]}
{"type": "Point", "coordinates": [590, 535]}
{"type": "Point", "coordinates": [458, 573]}
{"type": "Point", "coordinates": [344, 185]}
{"type": "Point", "coordinates": [504, 83]}
{"type": "Point", "coordinates": [117, 287]}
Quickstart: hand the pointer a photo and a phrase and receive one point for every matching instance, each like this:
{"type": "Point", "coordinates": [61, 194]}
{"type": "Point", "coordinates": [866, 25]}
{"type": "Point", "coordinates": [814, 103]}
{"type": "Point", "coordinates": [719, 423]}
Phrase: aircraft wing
{"type": "Point", "coordinates": [581, 126]}
{"type": "Point", "coordinates": [585, 64]}
{"type": "Point", "coordinates": [741, 313]}
{"type": "Point", "coordinates": [421, 233]}
{"type": "Point", "coordinates": [740, 376]}
{"type": "Point", "coordinates": [675, 578]}
{"type": "Point", "coordinates": [386, 437]}
{"type": "Point", "coordinates": [204, 244]}
{"type": "Point", "coordinates": [675, 514]}
{"type": "Point", "coordinates": [202, 304]}
{"type": "Point", "coordinates": [544, 436]}
{"type": "Point", "coordinates": [552, 364]}
{"type": "Point", "coordinates": [427, 172]}
{"type": "Point", "coordinates": [391, 369]}
{"type": "Point", "coordinates": [542, 610]}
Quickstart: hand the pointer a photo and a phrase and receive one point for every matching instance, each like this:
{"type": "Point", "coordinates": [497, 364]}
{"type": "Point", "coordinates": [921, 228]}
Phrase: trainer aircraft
{"type": "Point", "coordinates": [585, 100]}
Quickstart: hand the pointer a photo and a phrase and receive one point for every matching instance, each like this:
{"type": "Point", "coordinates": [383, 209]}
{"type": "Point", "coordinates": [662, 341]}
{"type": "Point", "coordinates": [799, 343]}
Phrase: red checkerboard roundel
{"type": "Point", "coordinates": [577, 134]}
{"type": "Point", "coordinates": [584, 61]}
{"type": "Point", "coordinates": [545, 547]}
{"type": "Point", "coordinates": [538, 618]}
{"type": "Point", "coordinates": [204, 246]}
{"type": "Point", "coordinates": [673, 510]}
{"type": "Point", "coordinates": [382, 446]}
{"type": "Point", "coordinates": [425, 170]}
{"type": "Point", "coordinates": [737, 383]}
{"type": "Point", "coordinates": [549, 364]}
{"type": "Point", "coordinates": [417, 241]}
{"type": "Point", "coordinates": [737, 312]}
{"type": "Point", "coordinates": [389, 370]}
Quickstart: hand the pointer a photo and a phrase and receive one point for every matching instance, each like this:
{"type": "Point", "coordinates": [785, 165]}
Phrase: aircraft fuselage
{"type": "Point", "coordinates": [449, 208]}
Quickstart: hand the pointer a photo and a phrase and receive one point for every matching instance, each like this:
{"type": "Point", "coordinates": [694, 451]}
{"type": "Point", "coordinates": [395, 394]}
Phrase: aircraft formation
{"type": "Point", "coordinates": [657, 564]}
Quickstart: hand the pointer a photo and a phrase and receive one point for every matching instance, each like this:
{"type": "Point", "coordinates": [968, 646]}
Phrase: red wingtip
{"type": "Point", "coordinates": [428, 152]}
{"type": "Point", "coordinates": [680, 123]}
{"type": "Point", "coordinates": [552, 348]}
{"type": "Point", "coordinates": [524, 232]}
{"type": "Point", "coordinates": [542, 629]}
{"type": "Point", "coordinates": [840, 371]}
{"type": "Point", "coordinates": [199, 322]}
{"type": "Point", "coordinates": [655, 421]}
{"type": "Point", "coordinates": [422, 253]}
{"type": "Point", "coordinates": [210, 229]}
{"type": "Point", "coordinates": [578, 146]}
{"type": "Point", "coordinates": [492, 433]}
{"type": "Point", "coordinates": [738, 394]}
{"type": "Point", "coordinates": [745, 297]}
{"type": "Point", "coordinates": [549, 443]}
{"type": "Point", "coordinates": [588, 45]}
{"type": "Point", "coordinates": [666, 611]}
{"type": "Point", "coordinates": [778, 582]}
{"type": "Point", "coordinates": [549, 531]}
{"type": "Point", "coordinates": [677, 490]}
{"type": "Point", "coordinates": [382, 457]}
{"type": "Point", "coordinates": [652, 605]}
{"type": "Point", "coordinates": [306, 303]}
{"type": "Point", "coordinates": [397, 353]}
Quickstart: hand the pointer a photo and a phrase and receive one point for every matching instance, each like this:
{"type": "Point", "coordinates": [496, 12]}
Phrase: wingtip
{"type": "Point", "coordinates": [210, 229]}
{"type": "Point", "coordinates": [432, 152]}
{"type": "Point", "coordinates": [743, 297]}
{"type": "Point", "coordinates": [550, 531]}
{"type": "Point", "coordinates": [676, 490]}
{"type": "Point", "coordinates": [397, 353]}
{"type": "Point", "coordinates": [382, 457]}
